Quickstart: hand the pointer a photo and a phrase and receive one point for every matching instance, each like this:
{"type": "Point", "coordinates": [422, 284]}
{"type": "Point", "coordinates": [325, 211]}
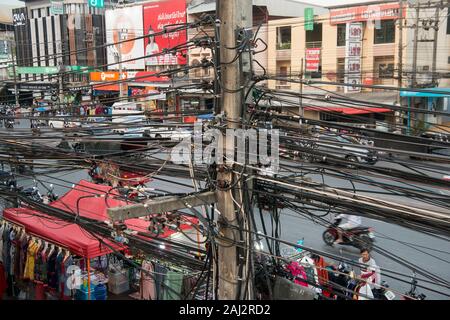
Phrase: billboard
{"type": "Point", "coordinates": [122, 24]}
{"type": "Point", "coordinates": [366, 13]}
{"type": "Point", "coordinates": [157, 15]}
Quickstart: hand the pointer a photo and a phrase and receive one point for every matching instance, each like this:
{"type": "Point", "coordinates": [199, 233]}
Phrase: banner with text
{"type": "Point", "coordinates": [158, 15]}
{"type": "Point", "coordinates": [353, 49]}
{"type": "Point", "coordinates": [123, 24]}
{"type": "Point", "coordinates": [312, 59]}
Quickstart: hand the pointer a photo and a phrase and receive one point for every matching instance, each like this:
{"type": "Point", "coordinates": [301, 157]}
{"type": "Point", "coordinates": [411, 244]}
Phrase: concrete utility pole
{"type": "Point", "coordinates": [400, 48]}
{"type": "Point", "coordinates": [301, 112]}
{"type": "Point", "coordinates": [435, 41]}
{"type": "Point", "coordinates": [232, 14]}
{"type": "Point", "coordinates": [416, 42]}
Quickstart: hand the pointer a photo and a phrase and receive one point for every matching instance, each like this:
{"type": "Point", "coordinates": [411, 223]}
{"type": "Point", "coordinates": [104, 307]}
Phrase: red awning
{"type": "Point", "coordinates": [59, 232]}
{"type": "Point", "coordinates": [347, 110]}
{"type": "Point", "coordinates": [89, 200]}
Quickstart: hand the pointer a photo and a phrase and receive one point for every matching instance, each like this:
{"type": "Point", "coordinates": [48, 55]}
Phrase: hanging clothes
{"type": "Point", "coordinates": [23, 255]}
{"type": "Point", "coordinates": [147, 288]}
{"type": "Point", "coordinates": [2, 229]}
{"type": "Point", "coordinates": [3, 282]}
{"type": "Point", "coordinates": [322, 273]}
{"type": "Point", "coordinates": [188, 285]}
{"type": "Point", "coordinates": [51, 270]}
{"type": "Point", "coordinates": [160, 275]}
{"type": "Point", "coordinates": [298, 272]}
{"type": "Point", "coordinates": [40, 269]}
{"type": "Point", "coordinates": [6, 248]}
{"type": "Point", "coordinates": [29, 264]}
{"type": "Point", "coordinates": [66, 292]}
{"type": "Point", "coordinates": [173, 285]}
{"type": "Point", "coordinates": [59, 267]}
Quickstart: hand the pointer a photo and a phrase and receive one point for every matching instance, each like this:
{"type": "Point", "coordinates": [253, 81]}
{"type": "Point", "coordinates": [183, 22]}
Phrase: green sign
{"type": "Point", "coordinates": [97, 3]}
{"type": "Point", "coordinates": [50, 70]}
{"type": "Point", "coordinates": [37, 70]}
{"type": "Point", "coordinates": [309, 19]}
{"type": "Point", "coordinates": [57, 7]}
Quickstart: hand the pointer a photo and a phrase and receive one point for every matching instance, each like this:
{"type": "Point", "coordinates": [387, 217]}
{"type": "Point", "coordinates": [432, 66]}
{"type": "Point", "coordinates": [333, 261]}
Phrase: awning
{"type": "Point", "coordinates": [59, 232]}
{"type": "Point", "coordinates": [107, 87]}
{"type": "Point", "coordinates": [93, 200]}
{"type": "Point", "coordinates": [428, 93]}
{"type": "Point", "coordinates": [349, 111]}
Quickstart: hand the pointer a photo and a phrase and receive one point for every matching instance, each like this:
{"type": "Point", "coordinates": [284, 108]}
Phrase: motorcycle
{"type": "Point", "coordinates": [412, 294]}
{"type": "Point", "coordinates": [51, 196]}
{"type": "Point", "coordinates": [344, 284]}
{"type": "Point", "coordinates": [33, 193]}
{"type": "Point", "coordinates": [359, 237]}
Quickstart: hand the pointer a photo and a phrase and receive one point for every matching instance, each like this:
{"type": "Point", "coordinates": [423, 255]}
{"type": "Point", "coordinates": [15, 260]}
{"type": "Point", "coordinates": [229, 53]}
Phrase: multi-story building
{"type": "Point", "coordinates": [6, 42]}
{"type": "Point", "coordinates": [265, 12]}
{"type": "Point", "coordinates": [322, 50]}
{"type": "Point", "coordinates": [53, 41]}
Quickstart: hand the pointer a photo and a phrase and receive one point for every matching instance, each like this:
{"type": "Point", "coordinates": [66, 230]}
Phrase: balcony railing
{"type": "Point", "coordinates": [284, 46]}
{"type": "Point", "coordinates": [313, 44]}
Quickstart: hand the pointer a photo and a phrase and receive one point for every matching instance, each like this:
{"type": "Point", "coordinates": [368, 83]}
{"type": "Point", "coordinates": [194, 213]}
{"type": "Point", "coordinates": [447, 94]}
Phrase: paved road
{"type": "Point", "coordinates": [295, 228]}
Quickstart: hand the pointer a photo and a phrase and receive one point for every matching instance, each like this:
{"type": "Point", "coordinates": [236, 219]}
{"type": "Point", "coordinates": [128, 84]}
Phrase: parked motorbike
{"type": "Point", "coordinates": [344, 284]}
{"type": "Point", "coordinates": [51, 195]}
{"type": "Point", "coordinates": [412, 293]}
{"type": "Point", "coordinates": [33, 193]}
{"type": "Point", "coordinates": [360, 237]}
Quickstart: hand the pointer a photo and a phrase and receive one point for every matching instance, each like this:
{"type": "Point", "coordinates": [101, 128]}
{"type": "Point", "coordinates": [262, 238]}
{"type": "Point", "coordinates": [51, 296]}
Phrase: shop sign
{"type": "Point", "coordinates": [309, 19]}
{"type": "Point", "coordinates": [107, 76]}
{"type": "Point", "coordinates": [353, 49]}
{"type": "Point", "coordinates": [312, 59]}
{"type": "Point", "coordinates": [36, 86]}
{"type": "Point", "coordinates": [386, 11]}
{"type": "Point", "coordinates": [37, 70]}
{"type": "Point", "coordinates": [56, 7]}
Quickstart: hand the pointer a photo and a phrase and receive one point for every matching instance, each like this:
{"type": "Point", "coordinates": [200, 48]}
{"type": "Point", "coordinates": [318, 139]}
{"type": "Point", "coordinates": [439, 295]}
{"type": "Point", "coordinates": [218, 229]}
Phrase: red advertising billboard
{"type": "Point", "coordinates": [312, 59]}
{"type": "Point", "coordinates": [375, 12]}
{"type": "Point", "coordinates": [157, 15]}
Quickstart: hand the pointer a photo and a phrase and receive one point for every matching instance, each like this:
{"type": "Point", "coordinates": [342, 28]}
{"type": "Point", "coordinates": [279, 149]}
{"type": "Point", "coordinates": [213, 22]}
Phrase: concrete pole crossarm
{"type": "Point", "coordinates": [163, 204]}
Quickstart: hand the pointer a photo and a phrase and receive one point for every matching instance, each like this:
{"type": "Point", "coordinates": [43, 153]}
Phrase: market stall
{"type": "Point", "coordinates": [33, 234]}
{"type": "Point", "coordinates": [41, 249]}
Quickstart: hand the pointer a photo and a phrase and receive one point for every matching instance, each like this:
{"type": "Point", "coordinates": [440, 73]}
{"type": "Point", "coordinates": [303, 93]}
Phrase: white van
{"type": "Point", "coordinates": [125, 107]}
{"type": "Point", "coordinates": [133, 121]}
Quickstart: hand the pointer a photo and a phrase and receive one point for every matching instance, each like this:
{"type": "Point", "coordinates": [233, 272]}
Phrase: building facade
{"type": "Point", "coordinates": [54, 40]}
{"type": "Point", "coordinates": [323, 51]}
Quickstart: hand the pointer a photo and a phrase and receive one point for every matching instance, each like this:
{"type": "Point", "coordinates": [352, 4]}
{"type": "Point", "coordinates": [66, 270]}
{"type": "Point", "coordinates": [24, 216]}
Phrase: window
{"type": "Point", "coordinates": [283, 73]}
{"type": "Point", "coordinates": [384, 70]}
{"type": "Point", "coordinates": [340, 71]}
{"type": "Point", "coordinates": [283, 38]}
{"type": "Point", "coordinates": [448, 20]}
{"type": "Point", "coordinates": [386, 32]}
{"type": "Point", "coordinates": [341, 34]}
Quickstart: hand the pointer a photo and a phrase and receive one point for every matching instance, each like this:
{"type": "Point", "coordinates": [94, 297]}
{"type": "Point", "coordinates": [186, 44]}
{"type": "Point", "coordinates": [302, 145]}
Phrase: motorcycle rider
{"type": "Point", "coordinates": [348, 222]}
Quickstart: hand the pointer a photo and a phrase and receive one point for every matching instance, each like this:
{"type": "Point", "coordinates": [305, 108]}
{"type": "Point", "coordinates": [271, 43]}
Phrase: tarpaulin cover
{"type": "Point", "coordinates": [89, 200]}
{"type": "Point", "coordinates": [93, 200]}
{"type": "Point", "coordinates": [62, 233]}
